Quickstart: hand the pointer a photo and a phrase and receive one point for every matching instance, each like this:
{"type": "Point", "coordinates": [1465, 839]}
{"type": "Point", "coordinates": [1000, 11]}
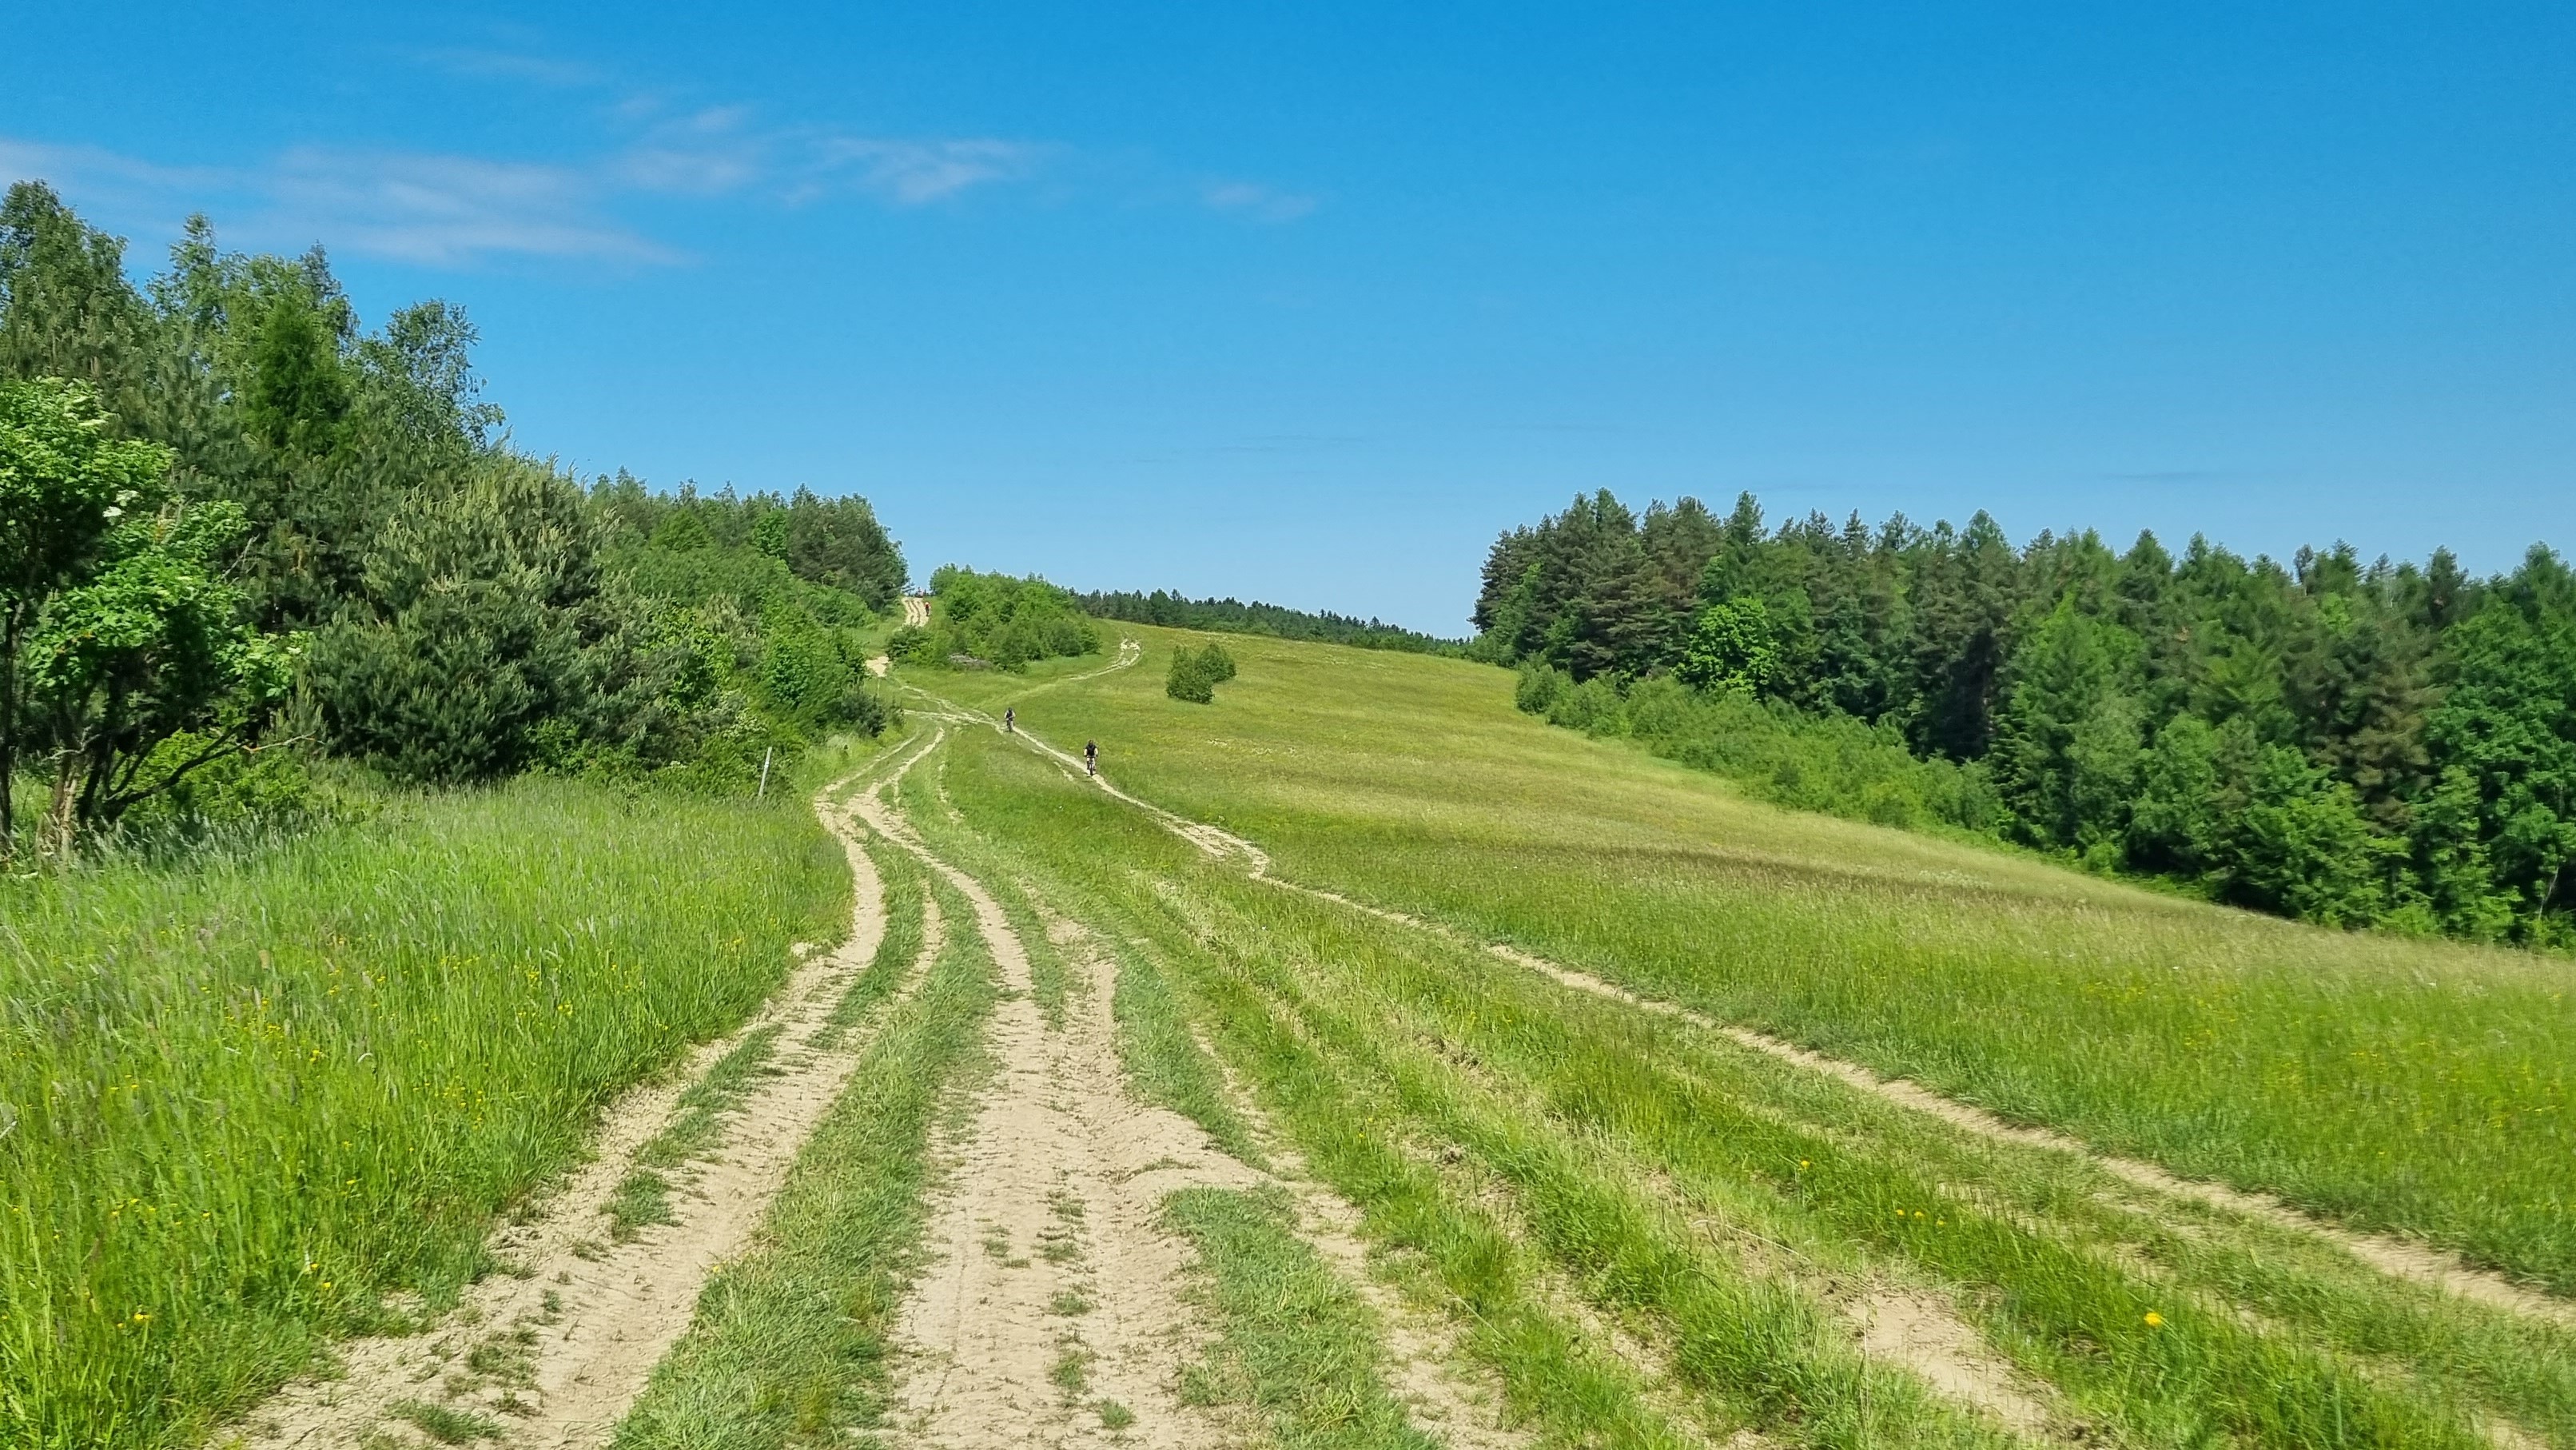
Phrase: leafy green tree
{"type": "Point", "coordinates": [1732, 648]}
{"type": "Point", "coordinates": [2300, 846]}
{"type": "Point", "coordinates": [2509, 724]}
{"type": "Point", "coordinates": [118, 629]}
{"type": "Point", "coordinates": [153, 644]}
{"type": "Point", "coordinates": [2175, 815]}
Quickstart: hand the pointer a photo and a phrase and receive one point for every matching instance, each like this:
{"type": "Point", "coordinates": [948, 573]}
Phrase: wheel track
{"type": "Point", "coordinates": [2395, 1256]}
{"type": "Point", "coordinates": [554, 1351]}
{"type": "Point", "coordinates": [1054, 1189]}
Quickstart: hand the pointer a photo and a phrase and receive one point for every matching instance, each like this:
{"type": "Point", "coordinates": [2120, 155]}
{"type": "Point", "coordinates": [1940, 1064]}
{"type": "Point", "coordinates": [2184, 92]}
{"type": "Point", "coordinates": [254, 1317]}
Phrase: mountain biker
{"type": "Point", "coordinates": [1091, 757]}
{"type": "Point", "coordinates": [1009, 718]}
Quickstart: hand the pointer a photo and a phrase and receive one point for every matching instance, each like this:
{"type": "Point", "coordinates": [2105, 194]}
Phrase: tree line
{"type": "Point", "coordinates": [234, 520]}
{"type": "Point", "coordinates": [2350, 742]}
{"type": "Point", "coordinates": [1232, 616]}
{"type": "Point", "coordinates": [993, 620]}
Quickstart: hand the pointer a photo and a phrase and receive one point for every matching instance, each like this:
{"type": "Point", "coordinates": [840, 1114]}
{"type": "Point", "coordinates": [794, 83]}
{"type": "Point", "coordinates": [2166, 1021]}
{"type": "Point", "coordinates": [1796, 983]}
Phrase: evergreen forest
{"type": "Point", "coordinates": [2345, 741]}
{"type": "Point", "coordinates": [1233, 616]}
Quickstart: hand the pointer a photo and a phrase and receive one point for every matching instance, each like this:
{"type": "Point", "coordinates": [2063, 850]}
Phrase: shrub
{"type": "Point", "coordinates": [1197, 672]}
{"type": "Point", "coordinates": [1003, 621]}
{"type": "Point", "coordinates": [1189, 678]}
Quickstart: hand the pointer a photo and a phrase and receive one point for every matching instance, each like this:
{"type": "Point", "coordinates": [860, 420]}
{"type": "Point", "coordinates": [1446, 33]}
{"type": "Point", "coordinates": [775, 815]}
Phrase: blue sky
{"type": "Point", "coordinates": [1306, 303]}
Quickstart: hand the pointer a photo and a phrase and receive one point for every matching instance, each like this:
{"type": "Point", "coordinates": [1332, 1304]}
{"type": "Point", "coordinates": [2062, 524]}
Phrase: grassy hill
{"type": "Point", "coordinates": [323, 1071]}
{"type": "Point", "coordinates": [1725, 1205]}
{"type": "Point", "coordinates": [2410, 1084]}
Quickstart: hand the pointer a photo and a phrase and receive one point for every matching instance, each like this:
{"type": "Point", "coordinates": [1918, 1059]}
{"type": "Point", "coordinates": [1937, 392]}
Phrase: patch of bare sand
{"type": "Point", "coordinates": [1050, 1311]}
{"type": "Point", "coordinates": [553, 1352]}
{"type": "Point", "coordinates": [1924, 1334]}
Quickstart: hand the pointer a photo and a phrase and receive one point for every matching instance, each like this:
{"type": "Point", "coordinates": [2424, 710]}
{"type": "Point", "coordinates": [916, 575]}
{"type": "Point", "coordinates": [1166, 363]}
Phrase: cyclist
{"type": "Point", "coordinates": [1010, 717]}
{"type": "Point", "coordinates": [1091, 757]}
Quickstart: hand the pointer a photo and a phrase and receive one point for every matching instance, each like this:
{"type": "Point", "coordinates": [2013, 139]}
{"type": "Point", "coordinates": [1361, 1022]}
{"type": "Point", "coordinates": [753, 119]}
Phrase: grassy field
{"type": "Point", "coordinates": [1560, 1172]}
{"type": "Point", "coordinates": [249, 1096]}
{"type": "Point", "coordinates": [242, 1099]}
{"type": "Point", "coordinates": [2423, 1087]}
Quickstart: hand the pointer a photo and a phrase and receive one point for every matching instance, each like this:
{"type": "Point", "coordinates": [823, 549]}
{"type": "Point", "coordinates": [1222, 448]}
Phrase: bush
{"type": "Point", "coordinates": [1189, 679]}
{"type": "Point", "coordinates": [1000, 620]}
{"type": "Point", "coordinates": [1196, 673]}
{"type": "Point", "coordinates": [488, 614]}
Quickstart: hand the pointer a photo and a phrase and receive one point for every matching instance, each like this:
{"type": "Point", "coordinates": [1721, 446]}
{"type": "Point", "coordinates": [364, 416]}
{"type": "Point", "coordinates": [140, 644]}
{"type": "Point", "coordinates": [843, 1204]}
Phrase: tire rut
{"type": "Point", "coordinates": [552, 1351]}
{"type": "Point", "coordinates": [1050, 1309]}
{"type": "Point", "coordinates": [2397, 1257]}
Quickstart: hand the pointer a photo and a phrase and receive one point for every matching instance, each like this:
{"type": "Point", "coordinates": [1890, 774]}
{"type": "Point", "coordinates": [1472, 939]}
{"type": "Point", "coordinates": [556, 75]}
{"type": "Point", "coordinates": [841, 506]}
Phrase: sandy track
{"type": "Point", "coordinates": [1053, 1202]}
{"type": "Point", "coordinates": [2402, 1258]}
{"type": "Point", "coordinates": [554, 1351]}
{"type": "Point", "coordinates": [1045, 1247]}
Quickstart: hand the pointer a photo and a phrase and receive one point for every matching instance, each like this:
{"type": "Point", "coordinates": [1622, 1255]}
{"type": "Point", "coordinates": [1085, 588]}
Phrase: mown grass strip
{"type": "Point", "coordinates": [1108, 861]}
{"type": "Point", "coordinates": [906, 917]}
{"type": "Point", "coordinates": [790, 1342]}
{"type": "Point", "coordinates": [250, 1093]}
{"type": "Point", "coordinates": [1163, 1058]}
{"type": "Point", "coordinates": [1051, 973]}
{"type": "Point", "coordinates": [2172, 1370]}
{"type": "Point", "coordinates": [643, 1196]}
{"type": "Point", "coordinates": [1293, 1341]}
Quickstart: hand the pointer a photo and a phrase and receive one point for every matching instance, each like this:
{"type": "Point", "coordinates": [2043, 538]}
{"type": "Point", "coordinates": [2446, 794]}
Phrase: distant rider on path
{"type": "Point", "coordinates": [1091, 756]}
{"type": "Point", "coordinates": [1009, 718]}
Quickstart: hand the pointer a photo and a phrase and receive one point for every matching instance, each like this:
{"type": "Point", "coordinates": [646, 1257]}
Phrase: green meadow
{"type": "Point", "coordinates": [263, 1098]}
{"type": "Point", "coordinates": [249, 1096]}
{"type": "Point", "coordinates": [1538, 1161]}
{"type": "Point", "coordinates": [2419, 1086]}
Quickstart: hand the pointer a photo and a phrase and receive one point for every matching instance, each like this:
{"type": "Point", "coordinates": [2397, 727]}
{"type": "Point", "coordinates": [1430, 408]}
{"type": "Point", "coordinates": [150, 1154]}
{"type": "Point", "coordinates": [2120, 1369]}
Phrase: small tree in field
{"type": "Point", "coordinates": [1197, 672]}
{"type": "Point", "coordinates": [118, 629]}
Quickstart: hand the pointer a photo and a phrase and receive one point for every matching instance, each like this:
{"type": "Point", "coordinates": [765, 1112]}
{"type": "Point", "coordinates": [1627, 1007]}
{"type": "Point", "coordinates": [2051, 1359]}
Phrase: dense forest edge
{"type": "Point", "coordinates": [1232, 616]}
{"type": "Point", "coordinates": [993, 621]}
{"type": "Point", "coordinates": [254, 551]}
{"type": "Point", "coordinates": [2350, 743]}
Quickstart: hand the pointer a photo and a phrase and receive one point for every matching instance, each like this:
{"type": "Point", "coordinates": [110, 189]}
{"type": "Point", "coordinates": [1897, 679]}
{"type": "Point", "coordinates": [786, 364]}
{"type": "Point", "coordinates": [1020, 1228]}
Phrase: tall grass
{"type": "Point", "coordinates": [1716, 1201]}
{"type": "Point", "coordinates": [243, 1098]}
{"type": "Point", "coordinates": [2420, 1086]}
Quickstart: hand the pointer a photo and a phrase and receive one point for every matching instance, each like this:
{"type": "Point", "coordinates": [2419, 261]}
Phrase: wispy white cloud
{"type": "Point", "coordinates": [917, 172]}
{"type": "Point", "coordinates": [130, 188]}
{"type": "Point", "coordinates": [709, 152]}
{"type": "Point", "coordinates": [447, 210]}
{"type": "Point", "coordinates": [1256, 201]}
{"type": "Point", "coordinates": [435, 210]}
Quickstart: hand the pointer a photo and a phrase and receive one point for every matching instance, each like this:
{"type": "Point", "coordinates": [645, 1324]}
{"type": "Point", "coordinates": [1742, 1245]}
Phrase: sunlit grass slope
{"type": "Point", "coordinates": [245, 1096]}
{"type": "Point", "coordinates": [2410, 1085]}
